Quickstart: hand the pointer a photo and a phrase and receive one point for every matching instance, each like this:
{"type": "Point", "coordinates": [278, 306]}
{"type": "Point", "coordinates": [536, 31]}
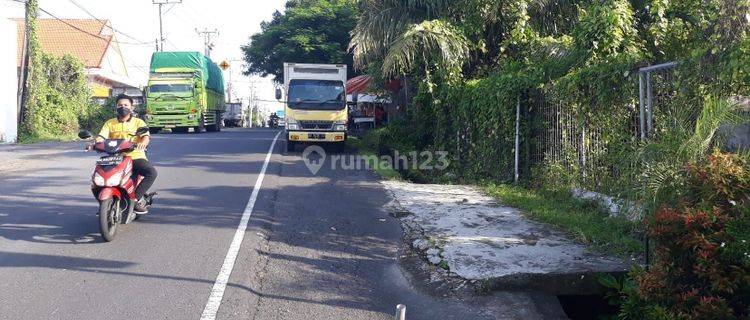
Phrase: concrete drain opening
{"type": "Point", "coordinates": [586, 307]}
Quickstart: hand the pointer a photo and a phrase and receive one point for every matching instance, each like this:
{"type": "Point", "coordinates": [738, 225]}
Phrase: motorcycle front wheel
{"type": "Point", "coordinates": [109, 218]}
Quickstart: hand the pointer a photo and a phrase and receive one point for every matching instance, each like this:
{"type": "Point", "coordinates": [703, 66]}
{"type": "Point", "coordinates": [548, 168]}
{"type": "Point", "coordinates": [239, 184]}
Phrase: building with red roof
{"type": "Point", "coordinates": [90, 41]}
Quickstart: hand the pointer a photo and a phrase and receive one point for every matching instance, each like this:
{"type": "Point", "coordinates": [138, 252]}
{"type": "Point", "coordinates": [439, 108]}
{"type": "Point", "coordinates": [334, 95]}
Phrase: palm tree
{"type": "Point", "coordinates": [402, 32]}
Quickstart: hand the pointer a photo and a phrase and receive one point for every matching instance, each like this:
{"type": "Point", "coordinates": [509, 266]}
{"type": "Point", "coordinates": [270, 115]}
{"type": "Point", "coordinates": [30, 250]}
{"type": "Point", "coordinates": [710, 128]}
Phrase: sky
{"type": "Point", "coordinates": [137, 21]}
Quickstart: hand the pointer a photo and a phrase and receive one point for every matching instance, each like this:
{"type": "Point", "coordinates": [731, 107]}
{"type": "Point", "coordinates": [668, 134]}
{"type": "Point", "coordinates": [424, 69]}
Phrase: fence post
{"type": "Point", "coordinates": [649, 103]}
{"type": "Point", "coordinates": [583, 149]}
{"type": "Point", "coordinates": [518, 135]}
{"type": "Point", "coordinates": [641, 107]}
{"type": "Point", "coordinates": [401, 312]}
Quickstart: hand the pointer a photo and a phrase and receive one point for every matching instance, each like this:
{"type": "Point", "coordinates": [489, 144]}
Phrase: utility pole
{"type": "Point", "coordinates": [207, 40]}
{"type": "Point", "coordinates": [229, 92]}
{"type": "Point", "coordinates": [161, 27]}
{"type": "Point", "coordinates": [252, 103]}
{"type": "Point", "coordinates": [23, 79]}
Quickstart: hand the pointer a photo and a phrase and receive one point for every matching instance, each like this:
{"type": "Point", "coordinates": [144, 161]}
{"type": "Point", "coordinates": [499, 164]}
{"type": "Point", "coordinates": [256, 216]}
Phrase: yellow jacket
{"type": "Point", "coordinates": [116, 129]}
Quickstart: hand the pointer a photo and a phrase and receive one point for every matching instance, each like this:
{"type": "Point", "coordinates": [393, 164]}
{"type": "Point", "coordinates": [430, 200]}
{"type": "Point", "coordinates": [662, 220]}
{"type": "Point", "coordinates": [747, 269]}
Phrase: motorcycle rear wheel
{"type": "Point", "coordinates": [108, 218]}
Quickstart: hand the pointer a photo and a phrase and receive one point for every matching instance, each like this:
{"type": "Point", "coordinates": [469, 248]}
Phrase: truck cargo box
{"type": "Point", "coordinates": [212, 74]}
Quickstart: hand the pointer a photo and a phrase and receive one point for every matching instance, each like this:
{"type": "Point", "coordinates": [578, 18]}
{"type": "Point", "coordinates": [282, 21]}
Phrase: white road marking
{"type": "Point", "coordinates": [217, 292]}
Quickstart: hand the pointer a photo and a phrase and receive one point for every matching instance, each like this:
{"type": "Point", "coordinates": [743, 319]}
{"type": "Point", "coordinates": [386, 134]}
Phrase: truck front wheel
{"type": "Point", "coordinates": [216, 127]}
{"type": "Point", "coordinates": [201, 126]}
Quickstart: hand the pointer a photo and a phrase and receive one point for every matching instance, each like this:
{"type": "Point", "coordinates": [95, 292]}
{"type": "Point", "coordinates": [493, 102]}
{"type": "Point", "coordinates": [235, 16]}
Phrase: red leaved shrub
{"type": "Point", "coordinates": [702, 268]}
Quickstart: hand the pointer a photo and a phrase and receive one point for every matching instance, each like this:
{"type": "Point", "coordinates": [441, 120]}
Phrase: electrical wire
{"type": "Point", "coordinates": [169, 9]}
{"type": "Point", "coordinates": [79, 29]}
{"type": "Point", "coordinates": [102, 21]}
{"type": "Point", "coordinates": [84, 31]}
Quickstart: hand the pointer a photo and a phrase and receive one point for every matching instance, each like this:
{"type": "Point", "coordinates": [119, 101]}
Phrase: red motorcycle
{"type": "Point", "coordinates": [113, 183]}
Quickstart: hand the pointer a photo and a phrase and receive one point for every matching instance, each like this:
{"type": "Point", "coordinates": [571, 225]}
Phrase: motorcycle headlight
{"type": "Point", "coordinates": [98, 179]}
{"type": "Point", "coordinates": [114, 180]}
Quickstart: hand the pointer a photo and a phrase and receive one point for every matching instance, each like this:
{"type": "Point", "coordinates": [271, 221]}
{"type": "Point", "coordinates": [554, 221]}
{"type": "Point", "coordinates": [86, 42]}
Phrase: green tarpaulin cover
{"type": "Point", "coordinates": [214, 79]}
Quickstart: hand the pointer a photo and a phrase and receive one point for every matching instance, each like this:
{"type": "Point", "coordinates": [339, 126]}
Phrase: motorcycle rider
{"type": "Point", "coordinates": [273, 120]}
{"type": "Point", "coordinates": [124, 127]}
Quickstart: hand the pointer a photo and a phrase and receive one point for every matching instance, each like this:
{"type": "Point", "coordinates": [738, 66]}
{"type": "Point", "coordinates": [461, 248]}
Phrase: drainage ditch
{"type": "Point", "coordinates": [586, 307]}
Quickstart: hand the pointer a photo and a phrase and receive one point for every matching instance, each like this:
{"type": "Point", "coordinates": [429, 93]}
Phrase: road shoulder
{"type": "Point", "coordinates": [467, 235]}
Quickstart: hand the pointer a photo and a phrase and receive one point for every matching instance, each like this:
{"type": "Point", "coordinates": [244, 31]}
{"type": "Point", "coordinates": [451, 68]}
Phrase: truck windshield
{"type": "Point", "coordinates": [170, 88]}
{"type": "Point", "coordinates": [316, 95]}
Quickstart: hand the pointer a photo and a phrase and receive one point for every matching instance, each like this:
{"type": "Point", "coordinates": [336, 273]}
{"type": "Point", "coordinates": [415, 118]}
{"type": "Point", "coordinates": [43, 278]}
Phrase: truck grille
{"type": "Point", "coordinates": [316, 125]}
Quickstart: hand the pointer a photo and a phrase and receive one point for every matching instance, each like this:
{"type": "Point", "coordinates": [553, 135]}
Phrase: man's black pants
{"type": "Point", "coordinates": [143, 168]}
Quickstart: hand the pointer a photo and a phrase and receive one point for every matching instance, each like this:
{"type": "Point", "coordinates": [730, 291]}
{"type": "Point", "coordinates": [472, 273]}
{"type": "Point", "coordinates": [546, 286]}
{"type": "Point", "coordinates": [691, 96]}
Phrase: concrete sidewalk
{"type": "Point", "coordinates": [479, 240]}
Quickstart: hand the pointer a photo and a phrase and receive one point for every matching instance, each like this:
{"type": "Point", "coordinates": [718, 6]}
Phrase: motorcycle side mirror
{"type": "Point", "coordinates": [141, 130]}
{"type": "Point", "coordinates": [85, 134]}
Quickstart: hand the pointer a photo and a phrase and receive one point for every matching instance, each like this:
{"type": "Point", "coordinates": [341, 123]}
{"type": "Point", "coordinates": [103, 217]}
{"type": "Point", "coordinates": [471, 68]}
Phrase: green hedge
{"type": "Point", "coordinates": [58, 99]}
{"type": "Point", "coordinates": [590, 76]}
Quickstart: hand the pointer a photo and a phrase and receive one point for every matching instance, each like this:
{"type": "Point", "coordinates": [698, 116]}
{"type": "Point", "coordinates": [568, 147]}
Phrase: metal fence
{"type": "Point", "coordinates": [656, 86]}
{"type": "Point", "coordinates": [565, 135]}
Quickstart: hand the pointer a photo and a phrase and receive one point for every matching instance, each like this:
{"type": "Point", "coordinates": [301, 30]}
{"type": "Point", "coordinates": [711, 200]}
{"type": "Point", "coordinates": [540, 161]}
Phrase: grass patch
{"type": "Point", "coordinates": [582, 219]}
{"type": "Point", "coordinates": [444, 265]}
{"type": "Point", "coordinates": [383, 168]}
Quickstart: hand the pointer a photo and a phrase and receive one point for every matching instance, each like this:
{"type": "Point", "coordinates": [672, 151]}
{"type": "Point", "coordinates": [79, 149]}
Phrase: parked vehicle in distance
{"type": "Point", "coordinates": [185, 90]}
{"type": "Point", "coordinates": [315, 108]}
{"type": "Point", "coordinates": [234, 116]}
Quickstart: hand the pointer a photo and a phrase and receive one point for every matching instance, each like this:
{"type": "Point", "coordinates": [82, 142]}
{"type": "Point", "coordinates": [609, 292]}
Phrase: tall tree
{"type": "Point", "coordinates": [309, 31]}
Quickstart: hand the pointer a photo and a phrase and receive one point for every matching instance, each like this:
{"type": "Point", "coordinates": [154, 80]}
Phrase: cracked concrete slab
{"type": "Point", "coordinates": [480, 239]}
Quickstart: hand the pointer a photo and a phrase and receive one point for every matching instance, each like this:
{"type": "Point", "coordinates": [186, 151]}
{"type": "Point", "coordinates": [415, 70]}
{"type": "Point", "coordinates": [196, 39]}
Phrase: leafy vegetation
{"type": "Point", "coordinates": [572, 67]}
{"type": "Point", "coordinates": [309, 31]}
{"type": "Point", "coordinates": [702, 265]}
{"type": "Point", "coordinates": [475, 60]}
{"type": "Point", "coordinates": [574, 61]}
{"type": "Point", "coordinates": [58, 99]}
{"type": "Point", "coordinates": [367, 148]}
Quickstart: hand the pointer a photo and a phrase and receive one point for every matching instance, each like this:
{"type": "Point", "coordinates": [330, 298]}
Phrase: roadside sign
{"type": "Point", "coordinates": [224, 65]}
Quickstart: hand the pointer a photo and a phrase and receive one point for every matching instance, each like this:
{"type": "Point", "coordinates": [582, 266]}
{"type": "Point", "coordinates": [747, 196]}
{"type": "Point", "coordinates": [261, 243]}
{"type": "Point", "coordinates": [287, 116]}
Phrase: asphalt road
{"type": "Point", "coordinates": [316, 247]}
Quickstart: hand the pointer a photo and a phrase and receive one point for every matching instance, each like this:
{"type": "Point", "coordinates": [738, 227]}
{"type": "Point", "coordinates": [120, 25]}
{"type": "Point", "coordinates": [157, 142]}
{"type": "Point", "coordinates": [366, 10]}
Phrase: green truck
{"type": "Point", "coordinates": [185, 90]}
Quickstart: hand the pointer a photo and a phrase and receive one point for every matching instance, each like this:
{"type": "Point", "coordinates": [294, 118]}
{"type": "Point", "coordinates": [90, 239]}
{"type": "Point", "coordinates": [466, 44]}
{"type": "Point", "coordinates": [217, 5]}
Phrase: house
{"type": "Point", "coordinates": [8, 84]}
{"type": "Point", "coordinates": [90, 41]}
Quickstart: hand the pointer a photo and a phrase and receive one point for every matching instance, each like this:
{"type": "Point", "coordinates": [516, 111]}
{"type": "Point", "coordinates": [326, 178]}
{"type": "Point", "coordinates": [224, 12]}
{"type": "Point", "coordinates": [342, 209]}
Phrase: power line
{"type": "Point", "coordinates": [169, 9]}
{"type": "Point", "coordinates": [81, 30]}
{"type": "Point", "coordinates": [171, 44]}
{"type": "Point", "coordinates": [161, 24]}
{"type": "Point", "coordinates": [201, 14]}
{"type": "Point", "coordinates": [208, 45]}
{"type": "Point", "coordinates": [138, 67]}
{"type": "Point", "coordinates": [102, 21]}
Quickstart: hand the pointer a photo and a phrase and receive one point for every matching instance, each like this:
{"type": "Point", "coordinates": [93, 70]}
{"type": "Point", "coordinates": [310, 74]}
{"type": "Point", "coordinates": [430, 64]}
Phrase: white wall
{"type": "Point", "coordinates": [8, 81]}
{"type": "Point", "coordinates": [113, 64]}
